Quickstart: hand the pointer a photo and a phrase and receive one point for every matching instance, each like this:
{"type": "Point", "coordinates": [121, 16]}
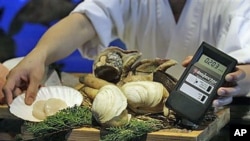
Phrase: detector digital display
{"type": "Point", "coordinates": [198, 85]}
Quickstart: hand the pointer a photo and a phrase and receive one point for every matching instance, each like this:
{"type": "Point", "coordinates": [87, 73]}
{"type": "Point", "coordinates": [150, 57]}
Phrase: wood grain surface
{"type": "Point", "coordinates": [92, 134]}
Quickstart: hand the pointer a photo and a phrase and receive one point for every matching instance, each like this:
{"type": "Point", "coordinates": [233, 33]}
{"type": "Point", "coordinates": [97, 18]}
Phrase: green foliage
{"type": "Point", "coordinates": [70, 118]}
{"type": "Point", "coordinates": [134, 130]}
{"type": "Point", "coordinates": [66, 119]}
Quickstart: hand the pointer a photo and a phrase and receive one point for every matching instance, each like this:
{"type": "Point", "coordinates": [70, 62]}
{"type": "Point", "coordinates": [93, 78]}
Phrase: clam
{"type": "Point", "coordinates": [114, 63]}
{"type": "Point", "coordinates": [109, 107]}
{"type": "Point", "coordinates": [145, 96]}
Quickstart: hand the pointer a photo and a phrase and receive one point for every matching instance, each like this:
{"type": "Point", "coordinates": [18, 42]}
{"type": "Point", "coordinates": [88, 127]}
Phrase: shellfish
{"type": "Point", "coordinates": [71, 97]}
{"type": "Point", "coordinates": [145, 96]}
{"type": "Point", "coordinates": [152, 70]}
{"type": "Point", "coordinates": [109, 107]}
{"type": "Point", "coordinates": [114, 63]}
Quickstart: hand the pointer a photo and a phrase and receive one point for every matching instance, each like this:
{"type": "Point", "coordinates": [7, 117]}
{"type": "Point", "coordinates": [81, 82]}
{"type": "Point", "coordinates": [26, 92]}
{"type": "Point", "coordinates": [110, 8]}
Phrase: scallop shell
{"type": "Point", "coordinates": [71, 96]}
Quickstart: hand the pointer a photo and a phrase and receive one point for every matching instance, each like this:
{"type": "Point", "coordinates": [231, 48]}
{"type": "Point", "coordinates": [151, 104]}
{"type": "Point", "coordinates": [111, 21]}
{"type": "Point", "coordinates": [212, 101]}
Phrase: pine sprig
{"type": "Point", "coordinates": [66, 119]}
{"type": "Point", "coordinates": [133, 130]}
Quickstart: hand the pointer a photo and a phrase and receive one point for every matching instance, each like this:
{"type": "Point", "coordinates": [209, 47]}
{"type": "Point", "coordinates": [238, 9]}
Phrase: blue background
{"type": "Point", "coordinates": [30, 33]}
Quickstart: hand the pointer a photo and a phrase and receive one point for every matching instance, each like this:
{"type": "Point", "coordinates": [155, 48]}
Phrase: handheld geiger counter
{"type": "Point", "coordinates": [197, 87]}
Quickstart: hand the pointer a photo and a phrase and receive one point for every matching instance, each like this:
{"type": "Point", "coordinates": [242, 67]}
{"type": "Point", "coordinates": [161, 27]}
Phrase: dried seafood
{"type": "Point", "coordinates": [134, 77]}
{"type": "Point", "coordinates": [145, 70]}
{"type": "Point", "coordinates": [131, 101]}
{"type": "Point", "coordinates": [114, 63]}
{"type": "Point", "coordinates": [145, 84]}
{"type": "Point", "coordinates": [119, 66]}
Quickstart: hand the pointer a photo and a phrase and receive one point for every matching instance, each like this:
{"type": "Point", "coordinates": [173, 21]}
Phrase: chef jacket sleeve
{"type": "Point", "coordinates": [235, 37]}
{"type": "Point", "coordinates": [107, 19]}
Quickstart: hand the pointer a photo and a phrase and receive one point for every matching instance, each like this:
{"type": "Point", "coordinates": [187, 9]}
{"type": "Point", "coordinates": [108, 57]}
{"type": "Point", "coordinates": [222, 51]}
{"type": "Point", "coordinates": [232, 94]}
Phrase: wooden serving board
{"type": "Point", "coordinates": [5, 114]}
{"type": "Point", "coordinates": [223, 117]}
{"type": "Point", "coordinates": [92, 134]}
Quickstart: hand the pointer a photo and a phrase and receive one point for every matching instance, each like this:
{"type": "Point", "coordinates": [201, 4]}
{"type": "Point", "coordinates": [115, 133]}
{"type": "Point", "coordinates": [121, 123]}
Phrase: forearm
{"type": "Point", "coordinates": [245, 83]}
{"type": "Point", "coordinates": [63, 38]}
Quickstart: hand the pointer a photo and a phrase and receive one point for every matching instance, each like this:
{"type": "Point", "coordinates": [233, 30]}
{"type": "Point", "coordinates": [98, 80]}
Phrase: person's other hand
{"type": "Point", "coordinates": [186, 61]}
{"type": "Point", "coordinates": [230, 88]}
{"type": "Point", "coordinates": [3, 73]}
{"type": "Point", "coordinates": [25, 77]}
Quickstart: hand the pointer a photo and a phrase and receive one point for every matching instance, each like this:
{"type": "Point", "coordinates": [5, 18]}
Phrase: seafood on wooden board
{"type": "Point", "coordinates": [145, 96]}
{"type": "Point", "coordinates": [142, 82]}
{"type": "Point", "coordinates": [145, 69]}
{"type": "Point", "coordinates": [119, 66]}
{"type": "Point", "coordinates": [145, 83]}
{"type": "Point", "coordinates": [114, 63]}
{"type": "Point", "coordinates": [109, 107]}
{"type": "Point", "coordinates": [115, 103]}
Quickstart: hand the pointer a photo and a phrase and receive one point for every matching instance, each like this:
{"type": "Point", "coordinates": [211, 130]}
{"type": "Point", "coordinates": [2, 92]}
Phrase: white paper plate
{"type": "Point", "coordinates": [11, 63]}
{"type": "Point", "coordinates": [71, 96]}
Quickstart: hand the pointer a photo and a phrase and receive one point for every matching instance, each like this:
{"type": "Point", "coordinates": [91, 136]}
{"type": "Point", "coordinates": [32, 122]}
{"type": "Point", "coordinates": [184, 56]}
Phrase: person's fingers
{"type": "Point", "coordinates": [1, 91]}
{"type": "Point", "coordinates": [2, 99]}
{"type": "Point", "coordinates": [187, 61]}
{"type": "Point", "coordinates": [226, 95]}
{"type": "Point", "coordinates": [228, 91]}
{"type": "Point", "coordinates": [8, 95]}
{"type": "Point", "coordinates": [32, 89]}
{"type": "Point", "coordinates": [235, 76]}
{"type": "Point", "coordinates": [14, 86]}
{"type": "Point", "coordinates": [222, 101]}
{"type": "Point", "coordinates": [8, 90]}
{"type": "Point", "coordinates": [3, 74]}
{"type": "Point", "coordinates": [16, 92]}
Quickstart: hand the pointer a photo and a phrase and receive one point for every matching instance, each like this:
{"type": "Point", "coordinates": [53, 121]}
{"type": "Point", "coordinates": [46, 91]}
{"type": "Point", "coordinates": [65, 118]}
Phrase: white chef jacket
{"type": "Point", "coordinates": [149, 26]}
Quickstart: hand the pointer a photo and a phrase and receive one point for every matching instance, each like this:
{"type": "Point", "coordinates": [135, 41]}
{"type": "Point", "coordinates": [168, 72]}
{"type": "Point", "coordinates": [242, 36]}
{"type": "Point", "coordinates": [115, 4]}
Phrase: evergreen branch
{"type": "Point", "coordinates": [66, 119]}
{"type": "Point", "coordinates": [134, 130]}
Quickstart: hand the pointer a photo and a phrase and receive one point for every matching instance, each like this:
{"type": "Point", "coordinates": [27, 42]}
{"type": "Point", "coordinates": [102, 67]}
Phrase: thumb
{"type": "Point", "coordinates": [186, 61]}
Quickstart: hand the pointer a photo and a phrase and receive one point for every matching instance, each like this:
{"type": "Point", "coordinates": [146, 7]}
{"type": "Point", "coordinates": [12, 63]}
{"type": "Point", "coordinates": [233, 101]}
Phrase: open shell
{"type": "Point", "coordinates": [145, 96]}
{"type": "Point", "coordinates": [109, 106]}
{"type": "Point", "coordinates": [71, 97]}
{"type": "Point", "coordinates": [114, 63]}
